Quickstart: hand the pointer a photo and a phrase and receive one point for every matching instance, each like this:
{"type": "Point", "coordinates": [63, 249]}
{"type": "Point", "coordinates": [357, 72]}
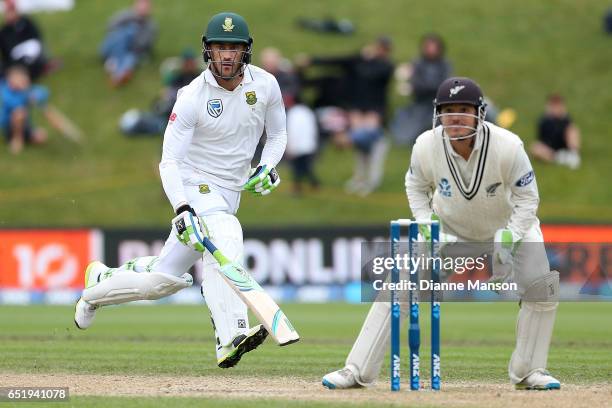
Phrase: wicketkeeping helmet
{"type": "Point", "coordinates": [227, 28]}
{"type": "Point", "coordinates": [460, 90]}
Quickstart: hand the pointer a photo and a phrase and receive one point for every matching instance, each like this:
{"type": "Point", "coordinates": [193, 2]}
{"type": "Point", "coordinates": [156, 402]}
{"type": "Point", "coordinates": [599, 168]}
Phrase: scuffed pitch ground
{"type": "Point", "coordinates": [462, 394]}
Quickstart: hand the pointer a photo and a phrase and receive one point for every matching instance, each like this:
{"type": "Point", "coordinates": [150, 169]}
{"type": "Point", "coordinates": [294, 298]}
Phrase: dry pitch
{"type": "Point", "coordinates": [455, 394]}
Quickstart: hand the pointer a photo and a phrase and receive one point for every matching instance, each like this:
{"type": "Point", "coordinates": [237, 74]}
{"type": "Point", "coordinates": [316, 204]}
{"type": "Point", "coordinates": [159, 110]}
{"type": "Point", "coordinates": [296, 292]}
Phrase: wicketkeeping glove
{"type": "Point", "coordinates": [425, 233]}
{"type": "Point", "coordinates": [262, 180]}
{"type": "Point", "coordinates": [504, 245]}
{"type": "Point", "coordinates": [189, 228]}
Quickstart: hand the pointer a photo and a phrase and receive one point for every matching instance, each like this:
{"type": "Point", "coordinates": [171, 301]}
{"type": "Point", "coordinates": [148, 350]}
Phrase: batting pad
{"type": "Point", "coordinates": [228, 311]}
{"type": "Point", "coordinates": [128, 286]}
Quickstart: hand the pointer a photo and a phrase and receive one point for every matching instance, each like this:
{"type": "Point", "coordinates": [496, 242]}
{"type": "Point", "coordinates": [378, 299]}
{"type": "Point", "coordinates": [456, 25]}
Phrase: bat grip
{"type": "Point", "coordinates": [215, 252]}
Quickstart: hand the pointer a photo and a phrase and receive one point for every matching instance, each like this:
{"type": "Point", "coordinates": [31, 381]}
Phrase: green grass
{"type": "Point", "coordinates": [179, 402]}
{"type": "Point", "coordinates": [519, 51]}
{"type": "Point", "coordinates": [477, 340]}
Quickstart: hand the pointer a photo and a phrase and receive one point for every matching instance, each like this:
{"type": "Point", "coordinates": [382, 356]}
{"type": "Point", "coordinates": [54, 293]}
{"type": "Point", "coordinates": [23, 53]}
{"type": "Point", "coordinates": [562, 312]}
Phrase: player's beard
{"type": "Point", "coordinates": [226, 71]}
{"type": "Point", "coordinates": [460, 133]}
{"type": "Point", "coordinates": [461, 130]}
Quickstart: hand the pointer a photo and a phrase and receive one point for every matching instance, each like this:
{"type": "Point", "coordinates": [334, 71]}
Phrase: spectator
{"type": "Point", "coordinates": [21, 43]}
{"type": "Point", "coordinates": [421, 78]}
{"type": "Point", "coordinates": [273, 62]}
{"type": "Point", "coordinates": [288, 81]}
{"type": "Point", "coordinates": [608, 21]}
{"type": "Point", "coordinates": [367, 75]}
{"type": "Point", "coordinates": [176, 73]}
{"type": "Point", "coordinates": [130, 36]}
{"type": "Point", "coordinates": [302, 140]}
{"type": "Point", "coordinates": [558, 137]}
{"type": "Point", "coordinates": [17, 95]}
{"type": "Point", "coordinates": [174, 78]}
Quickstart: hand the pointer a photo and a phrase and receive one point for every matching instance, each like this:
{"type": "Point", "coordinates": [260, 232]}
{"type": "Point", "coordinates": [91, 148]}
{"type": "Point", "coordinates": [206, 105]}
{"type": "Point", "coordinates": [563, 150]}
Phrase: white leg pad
{"type": "Point", "coordinates": [228, 311]}
{"type": "Point", "coordinates": [366, 357]}
{"type": "Point", "coordinates": [126, 286]}
{"type": "Point", "coordinates": [534, 329]}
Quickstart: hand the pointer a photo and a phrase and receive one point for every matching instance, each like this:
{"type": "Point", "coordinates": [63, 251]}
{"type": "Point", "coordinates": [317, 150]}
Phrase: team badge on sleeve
{"type": "Point", "coordinates": [215, 107]}
{"type": "Point", "coordinates": [526, 179]}
{"type": "Point", "coordinates": [251, 97]}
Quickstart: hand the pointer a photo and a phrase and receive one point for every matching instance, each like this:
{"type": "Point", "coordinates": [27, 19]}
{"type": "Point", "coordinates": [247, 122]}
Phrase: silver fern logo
{"type": "Point", "coordinates": [454, 91]}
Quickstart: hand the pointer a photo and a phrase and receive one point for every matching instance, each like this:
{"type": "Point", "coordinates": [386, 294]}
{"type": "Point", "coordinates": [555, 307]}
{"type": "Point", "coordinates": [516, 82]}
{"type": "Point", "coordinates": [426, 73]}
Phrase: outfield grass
{"type": "Point", "coordinates": [477, 340]}
{"type": "Point", "coordinates": [519, 51]}
{"type": "Point", "coordinates": [144, 402]}
{"type": "Point", "coordinates": [177, 342]}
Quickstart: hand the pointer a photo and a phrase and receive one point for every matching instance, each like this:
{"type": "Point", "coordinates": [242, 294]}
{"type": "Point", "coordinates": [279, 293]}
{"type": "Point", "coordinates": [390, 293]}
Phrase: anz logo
{"type": "Point", "coordinates": [396, 366]}
{"type": "Point", "coordinates": [415, 365]}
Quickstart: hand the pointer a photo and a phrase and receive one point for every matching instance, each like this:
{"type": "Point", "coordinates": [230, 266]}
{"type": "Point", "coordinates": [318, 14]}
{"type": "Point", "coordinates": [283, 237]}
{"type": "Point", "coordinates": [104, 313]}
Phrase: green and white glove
{"type": "Point", "coordinates": [504, 246]}
{"type": "Point", "coordinates": [425, 233]}
{"type": "Point", "coordinates": [189, 228]}
{"type": "Point", "coordinates": [262, 180]}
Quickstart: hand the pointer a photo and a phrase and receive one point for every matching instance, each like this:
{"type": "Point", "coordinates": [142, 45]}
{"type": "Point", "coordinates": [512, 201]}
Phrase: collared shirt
{"type": "Point", "coordinates": [212, 133]}
{"type": "Point", "coordinates": [496, 188]}
{"type": "Point", "coordinates": [466, 167]}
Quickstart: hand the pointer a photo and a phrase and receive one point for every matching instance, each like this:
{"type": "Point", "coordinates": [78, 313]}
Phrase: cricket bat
{"type": "Point", "coordinates": [251, 293]}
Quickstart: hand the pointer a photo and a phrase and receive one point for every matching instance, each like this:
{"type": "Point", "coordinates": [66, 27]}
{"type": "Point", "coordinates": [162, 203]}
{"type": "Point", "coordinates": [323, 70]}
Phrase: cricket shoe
{"type": "Point", "coordinates": [228, 356]}
{"type": "Point", "coordinates": [539, 380]}
{"type": "Point", "coordinates": [341, 379]}
{"type": "Point", "coordinates": [84, 312]}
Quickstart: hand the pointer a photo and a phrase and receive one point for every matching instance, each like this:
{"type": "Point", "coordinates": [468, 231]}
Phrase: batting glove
{"type": "Point", "coordinates": [189, 228]}
{"type": "Point", "coordinates": [262, 181]}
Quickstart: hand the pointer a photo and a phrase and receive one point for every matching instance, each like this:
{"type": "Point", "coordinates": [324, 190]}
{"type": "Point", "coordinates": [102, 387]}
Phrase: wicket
{"type": "Point", "coordinates": [414, 331]}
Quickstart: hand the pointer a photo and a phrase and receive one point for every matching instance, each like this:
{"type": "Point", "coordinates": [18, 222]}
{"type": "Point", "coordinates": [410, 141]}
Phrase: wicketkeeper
{"type": "Point", "coordinates": [477, 179]}
{"type": "Point", "coordinates": [209, 143]}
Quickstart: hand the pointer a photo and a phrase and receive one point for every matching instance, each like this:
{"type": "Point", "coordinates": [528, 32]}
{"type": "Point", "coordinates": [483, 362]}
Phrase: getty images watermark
{"type": "Point", "coordinates": [469, 272]}
{"type": "Point", "coordinates": [420, 265]}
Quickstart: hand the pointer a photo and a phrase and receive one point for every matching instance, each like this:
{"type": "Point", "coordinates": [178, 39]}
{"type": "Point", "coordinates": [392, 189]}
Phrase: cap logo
{"type": "Point", "coordinates": [454, 91]}
{"type": "Point", "coordinates": [227, 24]}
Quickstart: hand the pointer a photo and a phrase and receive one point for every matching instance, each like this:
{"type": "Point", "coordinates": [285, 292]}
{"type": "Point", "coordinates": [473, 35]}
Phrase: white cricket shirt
{"type": "Point", "coordinates": [212, 133]}
{"type": "Point", "coordinates": [495, 188]}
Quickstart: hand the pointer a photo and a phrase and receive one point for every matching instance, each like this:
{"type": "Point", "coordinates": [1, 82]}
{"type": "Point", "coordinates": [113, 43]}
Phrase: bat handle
{"type": "Point", "coordinates": [215, 252]}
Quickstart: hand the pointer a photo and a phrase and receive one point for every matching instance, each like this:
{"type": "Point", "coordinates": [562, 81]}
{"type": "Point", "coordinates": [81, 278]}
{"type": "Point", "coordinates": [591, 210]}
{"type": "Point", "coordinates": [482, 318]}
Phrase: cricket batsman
{"type": "Point", "coordinates": [209, 143]}
{"type": "Point", "coordinates": [476, 178]}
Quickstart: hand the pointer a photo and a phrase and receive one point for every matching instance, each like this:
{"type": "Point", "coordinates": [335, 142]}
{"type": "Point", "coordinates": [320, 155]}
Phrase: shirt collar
{"type": "Point", "coordinates": [212, 80]}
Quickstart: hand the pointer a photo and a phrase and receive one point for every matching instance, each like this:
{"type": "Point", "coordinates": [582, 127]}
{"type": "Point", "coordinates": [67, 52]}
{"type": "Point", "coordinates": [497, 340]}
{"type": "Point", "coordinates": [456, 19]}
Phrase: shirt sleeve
{"type": "Point", "coordinates": [523, 195]}
{"type": "Point", "coordinates": [276, 128]}
{"type": "Point", "coordinates": [177, 139]}
{"type": "Point", "coordinates": [419, 188]}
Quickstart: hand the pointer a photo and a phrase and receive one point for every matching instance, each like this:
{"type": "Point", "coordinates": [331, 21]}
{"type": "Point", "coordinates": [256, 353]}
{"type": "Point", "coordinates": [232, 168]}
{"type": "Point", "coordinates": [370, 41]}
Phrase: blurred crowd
{"type": "Point", "coordinates": [24, 60]}
{"type": "Point", "coordinates": [339, 101]}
